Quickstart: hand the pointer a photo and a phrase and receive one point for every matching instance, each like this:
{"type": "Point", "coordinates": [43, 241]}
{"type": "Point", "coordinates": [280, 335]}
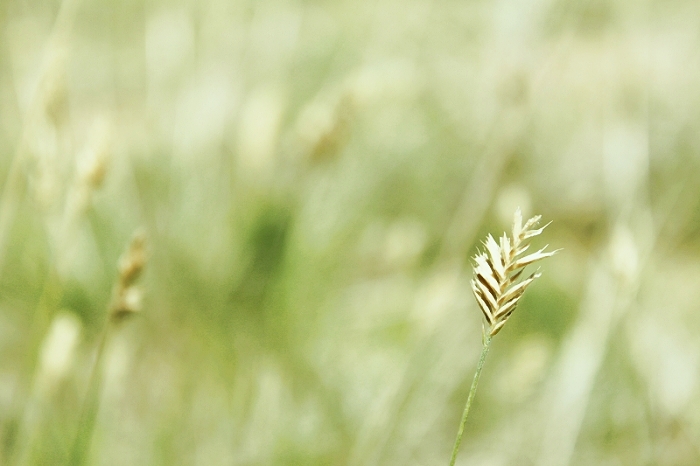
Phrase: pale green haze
{"type": "Point", "coordinates": [313, 180]}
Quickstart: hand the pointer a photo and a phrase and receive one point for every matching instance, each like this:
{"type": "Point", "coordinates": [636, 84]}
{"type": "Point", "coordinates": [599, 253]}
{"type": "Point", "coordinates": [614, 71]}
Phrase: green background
{"type": "Point", "coordinates": [313, 178]}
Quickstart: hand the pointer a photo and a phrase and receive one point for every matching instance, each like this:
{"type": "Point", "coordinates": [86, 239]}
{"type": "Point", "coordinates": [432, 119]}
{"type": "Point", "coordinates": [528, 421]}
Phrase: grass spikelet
{"type": "Point", "coordinates": [498, 288]}
{"type": "Point", "coordinates": [498, 268]}
{"type": "Point", "coordinates": [127, 295]}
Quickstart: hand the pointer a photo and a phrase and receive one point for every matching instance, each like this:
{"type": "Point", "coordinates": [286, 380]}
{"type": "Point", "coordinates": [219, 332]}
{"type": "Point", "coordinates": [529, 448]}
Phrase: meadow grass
{"type": "Point", "coordinates": [312, 179]}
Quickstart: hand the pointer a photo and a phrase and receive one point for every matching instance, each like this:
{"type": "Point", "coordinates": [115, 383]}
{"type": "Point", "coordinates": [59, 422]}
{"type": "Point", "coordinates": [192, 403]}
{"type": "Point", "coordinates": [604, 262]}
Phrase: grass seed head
{"type": "Point", "coordinates": [127, 295]}
{"type": "Point", "coordinates": [497, 270]}
{"type": "Point", "coordinates": [132, 262]}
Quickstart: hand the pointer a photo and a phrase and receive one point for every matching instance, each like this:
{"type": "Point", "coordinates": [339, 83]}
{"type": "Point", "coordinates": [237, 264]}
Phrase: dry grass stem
{"type": "Point", "coordinates": [126, 301]}
{"type": "Point", "coordinates": [497, 290]}
{"type": "Point", "coordinates": [498, 268]}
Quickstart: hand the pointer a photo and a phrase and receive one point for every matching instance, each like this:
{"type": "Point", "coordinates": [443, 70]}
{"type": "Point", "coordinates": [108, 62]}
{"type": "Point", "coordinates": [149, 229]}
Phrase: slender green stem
{"type": "Point", "coordinates": [88, 414]}
{"type": "Point", "coordinates": [472, 391]}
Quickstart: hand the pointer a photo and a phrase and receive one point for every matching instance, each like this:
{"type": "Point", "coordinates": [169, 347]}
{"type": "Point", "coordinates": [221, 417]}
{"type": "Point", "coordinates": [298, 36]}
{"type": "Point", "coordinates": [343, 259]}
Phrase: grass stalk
{"type": "Point", "coordinates": [88, 414]}
{"type": "Point", "coordinates": [125, 302]}
{"type": "Point", "coordinates": [472, 392]}
{"type": "Point", "coordinates": [498, 286]}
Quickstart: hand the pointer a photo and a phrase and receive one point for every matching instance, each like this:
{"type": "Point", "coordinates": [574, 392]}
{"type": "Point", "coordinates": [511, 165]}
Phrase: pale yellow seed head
{"type": "Point", "coordinates": [127, 296]}
{"type": "Point", "coordinates": [497, 285]}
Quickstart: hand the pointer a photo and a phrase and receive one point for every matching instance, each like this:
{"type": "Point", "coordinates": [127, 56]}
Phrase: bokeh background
{"type": "Point", "coordinates": [312, 178]}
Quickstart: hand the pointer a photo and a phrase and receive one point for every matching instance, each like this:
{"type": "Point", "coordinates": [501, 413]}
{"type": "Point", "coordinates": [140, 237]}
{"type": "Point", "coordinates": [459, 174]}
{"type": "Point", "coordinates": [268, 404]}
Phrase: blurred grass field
{"type": "Point", "coordinates": [313, 178]}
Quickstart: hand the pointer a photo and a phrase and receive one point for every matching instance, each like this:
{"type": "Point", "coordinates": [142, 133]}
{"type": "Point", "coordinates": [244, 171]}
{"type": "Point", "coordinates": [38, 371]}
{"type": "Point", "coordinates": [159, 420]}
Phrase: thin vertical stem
{"type": "Point", "coordinates": [86, 423]}
{"type": "Point", "coordinates": [472, 391]}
